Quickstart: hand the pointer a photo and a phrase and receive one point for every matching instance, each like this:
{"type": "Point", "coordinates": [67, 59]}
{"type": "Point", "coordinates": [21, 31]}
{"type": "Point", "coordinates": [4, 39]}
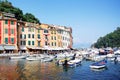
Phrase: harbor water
{"type": "Point", "coordinates": [36, 70]}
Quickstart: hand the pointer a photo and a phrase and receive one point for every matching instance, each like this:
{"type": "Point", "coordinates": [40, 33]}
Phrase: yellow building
{"type": "Point", "coordinates": [61, 37]}
{"type": "Point", "coordinates": [45, 40]}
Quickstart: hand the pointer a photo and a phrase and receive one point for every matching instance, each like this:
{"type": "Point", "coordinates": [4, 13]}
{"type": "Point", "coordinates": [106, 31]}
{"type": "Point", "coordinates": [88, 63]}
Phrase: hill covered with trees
{"type": "Point", "coordinates": [110, 40]}
{"type": "Point", "coordinates": [6, 6]}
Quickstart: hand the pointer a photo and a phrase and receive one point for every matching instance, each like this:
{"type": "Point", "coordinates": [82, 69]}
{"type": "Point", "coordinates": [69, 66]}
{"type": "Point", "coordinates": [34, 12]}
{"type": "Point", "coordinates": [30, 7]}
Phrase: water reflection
{"type": "Point", "coordinates": [8, 70]}
{"type": "Point", "coordinates": [101, 69]}
{"type": "Point", "coordinates": [35, 70]}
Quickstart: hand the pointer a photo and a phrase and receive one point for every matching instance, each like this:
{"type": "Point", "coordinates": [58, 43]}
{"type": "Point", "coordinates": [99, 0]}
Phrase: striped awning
{"type": "Point", "coordinates": [23, 48]}
{"type": "Point", "coordinates": [9, 47]}
{"type": "Point", "coordinates": [1, 47]}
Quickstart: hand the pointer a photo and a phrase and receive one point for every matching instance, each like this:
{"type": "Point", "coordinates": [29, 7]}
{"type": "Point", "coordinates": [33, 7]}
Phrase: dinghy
{"type": "Point", "coordinates": [98, 65]}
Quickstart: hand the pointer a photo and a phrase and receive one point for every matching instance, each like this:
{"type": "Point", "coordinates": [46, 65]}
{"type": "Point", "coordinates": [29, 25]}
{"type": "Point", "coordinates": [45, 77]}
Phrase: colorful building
{"type": "Point", "coordinates": [8, 32]}
{"type": "Point", "coordinates": [31, 37]}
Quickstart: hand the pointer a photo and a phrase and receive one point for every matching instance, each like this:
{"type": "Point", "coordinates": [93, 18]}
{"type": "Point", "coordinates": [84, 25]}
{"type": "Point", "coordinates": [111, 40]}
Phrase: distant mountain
{"type": "Point", "coordinates": [81, 45]}
{"type": "Point", "coordinates": [110, 40]}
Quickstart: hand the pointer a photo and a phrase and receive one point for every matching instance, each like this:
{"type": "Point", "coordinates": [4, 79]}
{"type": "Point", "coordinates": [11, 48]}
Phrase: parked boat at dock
{"type": "Point", "coordinates": [98, 65]}
{"type": "Point", "coordinates": [74, 62]}
{"type": "Point", "coordinates": [18, 57]}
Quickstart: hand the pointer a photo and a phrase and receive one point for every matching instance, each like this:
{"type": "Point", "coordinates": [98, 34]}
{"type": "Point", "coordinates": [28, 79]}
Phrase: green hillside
{"type": "Point", "coordinates": [6, 6]}
{"type": "Point", "coordinates": [110, 40]}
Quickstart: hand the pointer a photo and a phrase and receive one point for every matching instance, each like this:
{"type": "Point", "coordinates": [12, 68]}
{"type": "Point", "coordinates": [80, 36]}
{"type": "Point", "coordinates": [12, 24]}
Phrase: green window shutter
{"type": "Point", "coordinates": [29, 43]}
{"type": "Point", "coordinates": [12, 40]}
{"type": "Point", "coordinates": [6, 21]}
{"type": "Point", "coordinates": [6, 40]}
{"type": "Point", "coordinates": [38, 31]}
{"type": "Point", "coordinates": [12, 31]}
{"type": "Point", "coordinates": [6, 31]}
{"type": "Point", "coordinates": [22, 29]}
{"type": "Point", "coordinates": [32, 42]}
{"type": "Point", "coordinates": [29, 36]}
{"type": "Point", "coordinates": [38, 36]}
{"type": "Point", "coordinates": [12, 22]}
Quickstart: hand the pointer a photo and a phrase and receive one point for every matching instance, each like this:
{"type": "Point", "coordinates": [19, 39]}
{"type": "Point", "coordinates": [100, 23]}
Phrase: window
{"type": "Point", "coordinates": [55, 43]}
{"type": "Point", "coordinates": [29, 36]}
{"type": "Point", "coordinates": [32, 35]}
{"type": "Point", "coordinates": [6, 40]}
{"type": "Point", "coordinates": [29, 29]}
{"type": "Point", "coordinates": [38, 36]}
{"type": "Point", "coordinates": [25, 36]}
{"type": "Point", "coordinates": [54, 32]}
{"type": "Point", "coordinates": [52, 43]}
{"type": "Point", "coordinates": [45, 31]}
{"type": "Point", "coordinates": [45, 43]}
{"type": "Point", "coordinates": [20, 36]}
{"type": "Point", "coordinates": [12, 22]}
{"type": "Point", "coordinates": [32, 42]}
{"type": "Point", "coordinates": [29, 43]}
{"type": "Point", "coordinates": [38, 31]}
{"type": "Point", "coordinates": [24, 42]}
{"type": "Point", "coordinates": [12, 31]}
{"type": "Point", "coordinates": [55, 38]}
{"type": "Point", "coordinates": [38, 43]}
{"type": "Point", "coordinates": [20, 42]}
{"type": "Point", "coordinates": [51, 37]}
{"type": "Point", "coordinates": [46, 37]}
{"type": "Point", "coordinates": [51, 32]}
{"type": "Point", "coordinates": [32, 29]}
{"type": "Point", "coordinates": [12, 40]}
{"type": "Point", "coordinates": [6, 21]}
{"type": "Point", "coordinates": [6, 31]}
{"type": "Point", "coordinates": [22, 29]}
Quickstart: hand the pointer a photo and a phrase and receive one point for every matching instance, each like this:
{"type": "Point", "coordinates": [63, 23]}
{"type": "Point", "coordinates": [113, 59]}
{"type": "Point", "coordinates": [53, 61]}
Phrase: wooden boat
{"type": "Point", "coordinates": [98, 65]}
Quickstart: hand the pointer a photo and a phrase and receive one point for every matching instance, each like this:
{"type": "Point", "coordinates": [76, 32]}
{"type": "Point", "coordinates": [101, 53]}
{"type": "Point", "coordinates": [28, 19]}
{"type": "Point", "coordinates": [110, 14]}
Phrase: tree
{"type": "Point", "coordinates": [110, 40]}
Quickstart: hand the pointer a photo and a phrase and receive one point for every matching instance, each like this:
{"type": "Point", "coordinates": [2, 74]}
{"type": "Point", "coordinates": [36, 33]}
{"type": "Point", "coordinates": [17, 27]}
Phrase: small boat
{"type": "Point", "coordinates": [98, 65]}
{"type": "Point", "coordinates": [74, 62]}
{"type": "Point", "coordinates": [61, 61]}
{"type": "Point", "coordinates": [33, 58]}
{"type": "Point", "coordinates": [18, 57]}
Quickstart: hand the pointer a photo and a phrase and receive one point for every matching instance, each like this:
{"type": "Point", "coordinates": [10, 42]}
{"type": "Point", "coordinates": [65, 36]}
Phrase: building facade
{"type": "Point", "coordinates": [31, 37]}
{"type": "Point", "coordinates": [8, 32]}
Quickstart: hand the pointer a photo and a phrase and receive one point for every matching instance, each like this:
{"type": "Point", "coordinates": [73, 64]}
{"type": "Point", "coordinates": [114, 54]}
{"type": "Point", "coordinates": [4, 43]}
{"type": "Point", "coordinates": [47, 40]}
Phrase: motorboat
{"type": "Point", "coordinates": [48, 58]}
{"type": "Point", "coordinates": [18, 57]}
{"type": "Point", "coordinates": [61, 61]}
{"type": "Point", "coordinates": [74, 62]}
{"type": "Point", "coordinates": [98, 65]}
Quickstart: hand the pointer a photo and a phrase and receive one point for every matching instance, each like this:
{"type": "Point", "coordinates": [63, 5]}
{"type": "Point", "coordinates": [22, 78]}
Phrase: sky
{"type": "Point", "coordinates": [89, 19]}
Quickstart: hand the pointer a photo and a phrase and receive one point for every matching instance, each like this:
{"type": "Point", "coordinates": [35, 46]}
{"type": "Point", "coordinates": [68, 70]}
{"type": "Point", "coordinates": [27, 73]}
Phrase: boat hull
{"type": "Point", "coordinates": [97, 67]}
{"type": "Point", "coordinates": [17, 57]}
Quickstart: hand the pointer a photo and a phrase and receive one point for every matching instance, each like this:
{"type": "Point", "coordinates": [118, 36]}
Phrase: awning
{"type": "Point", "coordinates": [23, 48]}
{"type": "Point", "coordinates": [31, 47]}
{"type": "Point", "coordinates": [1, 48]}
{"type": "Point", "coordinates": [8, 47]}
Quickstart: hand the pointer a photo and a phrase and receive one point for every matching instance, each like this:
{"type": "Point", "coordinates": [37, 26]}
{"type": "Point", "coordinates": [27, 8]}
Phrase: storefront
{"type": "Point", "coordinates": [1, 49]}
{"type": "Point", "coordinates": [10, 49]}
{"type": "Point", "coordinates": [23, 49]}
